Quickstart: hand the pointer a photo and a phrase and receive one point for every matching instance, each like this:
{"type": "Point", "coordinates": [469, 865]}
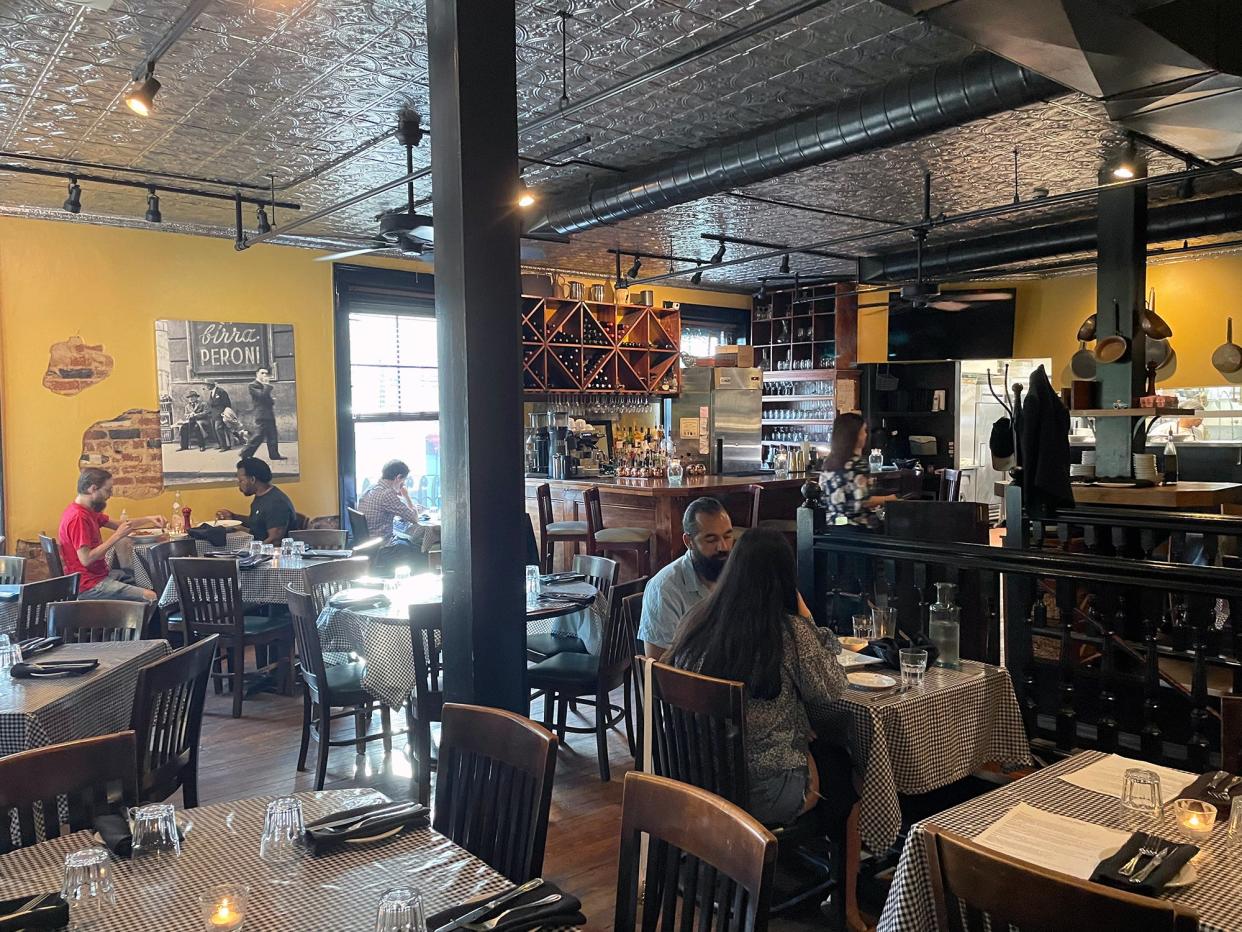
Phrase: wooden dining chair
{"type": "Point", "coordinates": [494, 787]}
{"type": "Point", "coordinates": [553, 532]}
{"type": "Point", "coordinates": [709, 863]}
{"type": "Point", "coordinates": [209, 591]}
{"type": "Point", "coordinates": [36, 597]}
{"type": "Point", "coordinates": [167, 721]}
{"type": "Point", "coordinates": [12, 571]}
{"type": "Point", "coordinates": [155, 560]}
{"type": "Point", "coordinates": [51, 553]}
{"type": "Point", "coordinates": [974, 888]}
{"type": "Point", "coordinates": [608, 540]}
{"type": "Point", "coordinates": [93, 621]}
{"type": "Point", "coordinates": [1231, 733]}
{"type": "Point", "coordinates": [324, 580]}
{"type": "Point", "coordinates": [358, 530]}
{"type": "Point", "coordinates": [325, 688]}
{"type": "Point", "coordinates": [601, 573]}
{"type": "Point", "coordinates": [784, 525]}
{"type": "Point", "coordinates": [321, 538]}
{"type": "Point", "coordinates": [427, 703]}
{"type": "Point", "coordinates": [96, 775]}
{"type": "Point", "coordinates": [590, 678]}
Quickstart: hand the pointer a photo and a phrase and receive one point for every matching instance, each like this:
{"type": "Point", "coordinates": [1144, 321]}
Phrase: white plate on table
{"type": "Point", "coordinates": [870, 680]}
{"type": "Point", "coordinates": [850, 659]}
{"type": "Point", "coordinates": [224, 523]}
{"type": "Point", "coordinates": [1185, 877]}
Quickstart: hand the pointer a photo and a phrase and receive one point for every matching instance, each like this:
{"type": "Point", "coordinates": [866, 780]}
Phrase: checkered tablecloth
{"type": "Point", "coordinates": [34, 713]}
{"type": "Point", "coordinates": [9, 613]}
{"type": "Point", "coordinates": [235, 540]}
{"type": "Point", "coordinates": [923, 739]}
{"type": "Point", "coordinates": [1215, 895]}
{"type": "Point", "coordinates": [263, 585]}
{"type": "Point", "coordinates": [335, 891]}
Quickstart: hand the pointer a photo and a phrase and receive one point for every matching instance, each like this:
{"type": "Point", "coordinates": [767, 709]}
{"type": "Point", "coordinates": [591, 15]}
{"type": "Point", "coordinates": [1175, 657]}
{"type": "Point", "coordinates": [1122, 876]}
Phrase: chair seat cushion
{"type": "Point", "coordinates": [345, 678]}
{"type": "Point", "coordinates": [623, 535]}
{"type": "Point", "coordinates": [567, 527]}
{"type": "Point", "coordinates": [549, 645]}
{"type": "Point", "coordinates": [265, 624]}
{"type": "Point", "coordinates": [565, 670]}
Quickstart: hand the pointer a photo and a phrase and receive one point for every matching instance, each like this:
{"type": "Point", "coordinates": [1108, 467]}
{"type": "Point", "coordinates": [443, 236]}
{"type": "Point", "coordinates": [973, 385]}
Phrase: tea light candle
{"type": "Point", "coordinates": [224, 908]}
{"type": "Point", "coordinates": [1195, 817]}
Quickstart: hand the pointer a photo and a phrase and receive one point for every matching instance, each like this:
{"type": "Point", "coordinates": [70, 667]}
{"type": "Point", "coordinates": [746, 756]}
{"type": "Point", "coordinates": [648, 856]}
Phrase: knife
{"type": "Point", "coordinates": [351, 825]}
{"type": "Point", "coordinates": [491, 905]}
{"type": "Point", "coordinates": [1152, 865]}
{"type": "Point", "coordinates": [388, 810]}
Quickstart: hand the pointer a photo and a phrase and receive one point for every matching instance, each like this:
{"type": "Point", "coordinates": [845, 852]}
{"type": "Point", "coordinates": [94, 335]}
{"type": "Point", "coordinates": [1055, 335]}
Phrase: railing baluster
{"type": "Point", "coordinates": [1152, 737]}
{"type": "Point", "coordinates": [1198, 746]}
{"type": "Point", "coordinates": [1106, 728]}
{"type": "Point", "coordinates": [1067, 714]}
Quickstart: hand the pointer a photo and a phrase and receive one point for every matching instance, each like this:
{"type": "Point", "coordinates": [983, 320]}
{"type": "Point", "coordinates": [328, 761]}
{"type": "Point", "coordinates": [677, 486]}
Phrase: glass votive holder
{"type": "Point", "coordinates": [1194, 817]}
{"type": "Point", "coordinates": [224, 907]}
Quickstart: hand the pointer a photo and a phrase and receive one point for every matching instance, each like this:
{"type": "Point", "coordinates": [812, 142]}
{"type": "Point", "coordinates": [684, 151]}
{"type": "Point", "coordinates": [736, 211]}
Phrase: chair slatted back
{"type": "Point", "coordinates": [1231, 733]}
{"type": "Point", "coordinates": [95, 775]}
{"type": "Point", "coordinates": [36, 597]}
{"type": "Point", "coordinates": [620, 630]}
{"type": "Point", "coordinates": [51, 553]}
{"type": "Point", "coordinates": [209, 590]}
{"type": "Point", "coordinates": [699, 731]}
{"type": "Point", "coordinates": [321, 538]}
{"type": "Point", "coordinates": [426, 640]}
{"type": "Point", "coordinates": [974, 889]}
{"type": "Point", "coordinates": [358, 529]}
{"type": "Point", "coordinates": [494, 788]}
{"type": "Point", "coordinates": [600, 572]}
{"type": "Point", "coordinates": [543, 497]}
{"type": "Point", "coordinates": [324, 580]}
{"type": "Point", "coordinates": [756, 498]}
{"type": "Point", "coordinates": [12, 571]}
{"type": "Point", "coordinates": [93, 621]}
{"type": "Point", "coordinates": [594, 515]}
{"type": "Point", "coordinates": [155, 559]}
{"type": "Point", "coordinates": [168, 721]}
{"type": "Point", "coordinates": [709, 863]}
{"type": "Point", "coordinates": [306, 636]}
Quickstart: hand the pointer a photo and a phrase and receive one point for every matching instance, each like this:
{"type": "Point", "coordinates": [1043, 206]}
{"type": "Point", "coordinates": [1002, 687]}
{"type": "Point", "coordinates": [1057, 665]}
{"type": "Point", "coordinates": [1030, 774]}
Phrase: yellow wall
{"type": "Point", "coordinates": [109, 285]}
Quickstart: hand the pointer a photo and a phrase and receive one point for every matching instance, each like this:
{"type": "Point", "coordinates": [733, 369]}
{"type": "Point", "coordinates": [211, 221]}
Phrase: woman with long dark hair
{"type": "Point", "coordinates": [845, 480]}
{"type": "Point", "coordinates": [755, 628]}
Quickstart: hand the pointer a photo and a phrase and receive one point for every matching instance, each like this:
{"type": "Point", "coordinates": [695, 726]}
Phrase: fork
{"type": "Point", "coordinates": [1220, 791]}
{"type": "Point", "coordinates": [1147, 850]}
{"type": "Point", "coordinates": [1152, 865]}
{"type": "Point", "coordinates": [492, 923]}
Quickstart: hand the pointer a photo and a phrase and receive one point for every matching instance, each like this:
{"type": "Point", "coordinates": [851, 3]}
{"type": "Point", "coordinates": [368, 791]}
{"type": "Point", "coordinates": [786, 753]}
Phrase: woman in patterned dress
{"type": "Point", "coordinates": [845, 480]}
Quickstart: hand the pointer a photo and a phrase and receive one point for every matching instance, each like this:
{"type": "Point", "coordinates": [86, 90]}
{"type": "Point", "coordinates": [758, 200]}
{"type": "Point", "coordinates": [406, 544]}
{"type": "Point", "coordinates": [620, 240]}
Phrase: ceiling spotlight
{"type": "Point", "coordinates": [1186, 187]}
{"type": "Point", "coordinates": [73, 203]}
{"type": "Point", "coordinates": [1126, 165]}
{"type": "Point", "coordinates": [763, 290]}
{"type": "Point", "coordinates": [526, 197]}
{"type": "Point", "coordinates": [633, 270]}
{"type": "Point", "coordinates": [263, 226]}
{"type": "Point", "coordinates": [153, 207]}
{"type": "Point", "coordinates": [718, 255]}
{"type": "Point", "coordinates": [141, 94]}
{"type": "Point", "coordinates": [697, 277]}
{"type": "Point", "coordinates": [785, 264]}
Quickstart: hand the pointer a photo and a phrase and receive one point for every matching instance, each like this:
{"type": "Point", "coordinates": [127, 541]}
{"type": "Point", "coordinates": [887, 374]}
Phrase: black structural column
{"type": "Point", "coordinates": [1120, 283]}
{"type": "Point", "coordinates": [475, 180]}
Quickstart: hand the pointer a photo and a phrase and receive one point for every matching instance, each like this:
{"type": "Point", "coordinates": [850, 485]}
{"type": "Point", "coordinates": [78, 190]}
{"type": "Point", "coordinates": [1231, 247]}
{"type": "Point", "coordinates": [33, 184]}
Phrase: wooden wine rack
{"type": "Point", "coordinates": [585, 346]}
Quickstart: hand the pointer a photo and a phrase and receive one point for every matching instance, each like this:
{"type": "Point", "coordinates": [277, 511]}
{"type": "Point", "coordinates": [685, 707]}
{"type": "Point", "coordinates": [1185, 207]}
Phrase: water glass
{"type": "Point", "coordinates": [533, 585]}
{"type": "Point", "coordinates": [1234, 836]}
{"type": "Point", "coordinates": [269, 550]}
{"type": "Point", "coordinates": [256, 548]}
{"type": "Point", "coordinates": [400, 910]}
{"type": "Point", "coordinates": [913, 666]}
{"type": "Point", "coordinates": [286, 548]}
{"type": "Point", "coordinates": [884, 622]}
{"type": "Point", "coordinates": [675, 471]}
{"type": "Point", "coordinates": [87, 888]}
{"type": "Point", "coordinates": [863, 627]}
{"type": "Point", "coordinates": [282, 831]}
{"type": "Point", "coordinates": [1141, 801]}
{"type": "Point", "coordinates": [10, 652]}
{"type": "Point", "coordinates": [155, 838]}
{"type": "Point", "coordinates": [224, 907]}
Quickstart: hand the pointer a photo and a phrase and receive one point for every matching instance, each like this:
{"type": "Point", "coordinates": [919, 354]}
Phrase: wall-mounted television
{"type": "Point", "coordinates": [982, 331]}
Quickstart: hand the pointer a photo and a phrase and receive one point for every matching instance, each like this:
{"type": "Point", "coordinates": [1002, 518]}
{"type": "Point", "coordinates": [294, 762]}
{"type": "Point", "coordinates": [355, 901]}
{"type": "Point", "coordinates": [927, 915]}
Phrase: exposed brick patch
{"type": "Point", "coordinates": [73, 366]}
{"type": "Point", "coordinates": [128, 446]}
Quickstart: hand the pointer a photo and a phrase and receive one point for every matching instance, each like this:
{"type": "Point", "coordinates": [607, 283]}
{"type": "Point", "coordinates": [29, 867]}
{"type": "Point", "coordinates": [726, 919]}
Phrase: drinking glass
{"type": "Point", "coordinates": [533, 585]}
{"type": "Point", "coordinates": [155, 839]}
{"type": "Point", "coordinates": [87, 888]}
{"type": "Point", "coordinates": [1234, 836]}
{"type": "Point", "coordinates": [884, 621]}
{"type": "Point", "coordinates": [256, 548]}
{"type": "Point", "coordinates": [913, 666]}
{"type": "Point", "coordinates": [1141, 802]}
{"type": "Point", "coordinates": [282, 831]}
{"type": "Point", "coordinates": [269, 550]}
{"type": "Point", "coordinates": [401, 573]}
{"type": "Point", "coordinates": [863, 626]}
{"type": "Point", "coordinates": [286, 548]}
{"type": "Point", "coordinates": [10, 652]}
{"type": "Point", "coordinates": [400, 910]}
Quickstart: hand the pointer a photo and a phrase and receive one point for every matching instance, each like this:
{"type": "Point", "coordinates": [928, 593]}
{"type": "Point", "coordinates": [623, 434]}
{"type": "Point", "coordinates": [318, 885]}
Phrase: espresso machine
{"type": "Point", "coordinates": [538, 448]}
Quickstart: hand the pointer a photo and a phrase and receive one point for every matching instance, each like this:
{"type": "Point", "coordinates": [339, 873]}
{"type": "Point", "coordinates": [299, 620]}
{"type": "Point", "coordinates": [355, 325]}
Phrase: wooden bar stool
{"type": "Point", "coordinates": [553, 532]}
{"type": "Point", "coordinates": [610, 540]}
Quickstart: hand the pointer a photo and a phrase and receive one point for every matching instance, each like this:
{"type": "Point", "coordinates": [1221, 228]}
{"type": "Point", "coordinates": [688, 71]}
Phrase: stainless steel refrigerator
{"type": "Point", "coordinates": [716, 419]}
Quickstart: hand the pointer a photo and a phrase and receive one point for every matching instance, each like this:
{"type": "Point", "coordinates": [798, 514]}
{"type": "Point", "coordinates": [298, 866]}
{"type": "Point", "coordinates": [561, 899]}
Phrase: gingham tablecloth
{"type": "Point", "coordinates": [234, 540]}
{"type": "Point", "coordinates": [1215, 895]}
{"type": "Point", "coordinates": [263, 585]}
{"type": "Point", "coordinates": [9, 610]}
{"type": "Point", "coordinates": [34, 713]}
{"type": "Point", "coordinates": [920, 740]}
{"type": "Point", "coordinates": [335, 891]}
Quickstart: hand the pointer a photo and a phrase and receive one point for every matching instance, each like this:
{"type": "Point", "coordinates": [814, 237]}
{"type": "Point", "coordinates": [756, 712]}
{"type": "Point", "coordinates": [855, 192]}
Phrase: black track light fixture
{"type": "Point", "coordinates": [763, 290]}
{"type": "Point", "coordinates": [1127, 163]}
{"type": "Point", "coordinates": [785, 264]}
{"type": "Point", "coordinates": [140, 97]}
{"type": "Point", "coordinates": [719, 254]}
{"type": "Point", "coordinates": [633, 269]}
{"type": "Point", "coordinates": [153, 207]}
{"type": "Point", "coordinates": [1186, 189]}
{"type": "Point", "coordinates": [697, 277]}
{"type": "Point", "coordinates": [263, 226]}
{"type": "Point", "coordinates": [620, 282]}
{"type": "Point", "coordinates": [73, 203]}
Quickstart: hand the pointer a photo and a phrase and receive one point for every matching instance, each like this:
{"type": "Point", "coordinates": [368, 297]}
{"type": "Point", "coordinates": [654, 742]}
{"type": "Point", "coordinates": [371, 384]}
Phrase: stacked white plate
{"type": "Point", "coordinates": [1082, 470]}
{"type": "Point", "coordinates": [1088, 457]}
{"type": "Point", "coordinates": [1145, 466]}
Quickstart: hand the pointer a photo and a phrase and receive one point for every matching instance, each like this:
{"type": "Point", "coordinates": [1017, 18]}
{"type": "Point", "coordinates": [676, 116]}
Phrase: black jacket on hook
{"type": "Point", "coordinates": [1045, 448]}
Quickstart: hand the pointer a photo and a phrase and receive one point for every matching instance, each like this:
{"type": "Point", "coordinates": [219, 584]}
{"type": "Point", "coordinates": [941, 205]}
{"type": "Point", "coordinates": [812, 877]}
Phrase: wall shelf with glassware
{"type": "Point", "coordinates": [776, 422]}
{"type": "Point", "coordinates": [806, 328]}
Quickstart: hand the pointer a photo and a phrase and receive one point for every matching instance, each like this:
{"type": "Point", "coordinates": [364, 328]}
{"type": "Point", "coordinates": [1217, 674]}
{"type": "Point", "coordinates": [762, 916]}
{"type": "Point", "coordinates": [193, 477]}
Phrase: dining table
{"type": "Point", "coordinates": [38, 712]}
{"type": "Point", "coordinates": [1214, 894]}
{"type": "Point", "coordinates": [234, 540]}
{"type": "Point", "coordinates": [915, 740]}
{"type": "Point", "coordinates": [263, 584]}
{"type": "Point", "coordinates": [380, 635]}
{"type": "Point", "coordinates": [338, 889]}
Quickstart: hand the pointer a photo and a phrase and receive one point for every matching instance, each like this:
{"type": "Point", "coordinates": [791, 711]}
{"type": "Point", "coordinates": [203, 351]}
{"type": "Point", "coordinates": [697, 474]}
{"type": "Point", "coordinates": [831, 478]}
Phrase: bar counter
{"type": "Point", "coordinates": [658, 505]}
{"type": "Point", "coordinates": [1184, 496]}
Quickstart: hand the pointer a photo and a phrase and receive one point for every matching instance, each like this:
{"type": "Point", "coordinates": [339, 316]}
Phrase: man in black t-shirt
{"type": "Point", "coordinates": [271, 513]}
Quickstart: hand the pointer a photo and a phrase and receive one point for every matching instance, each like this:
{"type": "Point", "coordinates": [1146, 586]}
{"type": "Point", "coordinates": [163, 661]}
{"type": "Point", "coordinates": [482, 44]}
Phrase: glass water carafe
{"type": "Point", "coordinates": [944, 626]}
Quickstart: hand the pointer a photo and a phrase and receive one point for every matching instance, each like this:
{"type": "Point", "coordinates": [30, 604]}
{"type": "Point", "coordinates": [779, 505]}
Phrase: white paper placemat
{"type": "Point", "coordinates": [1107, 775]}
{"type": "Point", "coordinates": [1051, 841]}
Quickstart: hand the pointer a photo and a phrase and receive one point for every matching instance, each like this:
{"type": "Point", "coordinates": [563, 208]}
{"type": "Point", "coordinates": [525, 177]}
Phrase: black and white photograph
{"type": "Point", "coordinates": [226, 390]}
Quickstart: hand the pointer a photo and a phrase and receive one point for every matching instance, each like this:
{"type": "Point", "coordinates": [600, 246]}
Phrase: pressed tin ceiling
{"type": "Point", "coordinates": [281, 87]}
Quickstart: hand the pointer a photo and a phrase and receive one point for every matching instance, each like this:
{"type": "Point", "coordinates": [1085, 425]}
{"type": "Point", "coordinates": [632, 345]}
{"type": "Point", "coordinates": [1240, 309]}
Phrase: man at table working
{"type": "Point", "coordinates": [389, 499]}
{"type": "Point", "coordinates": [707, 532]}
{"type": "Point", "coordinates": [82, 549]}
{"type": "Point", "coordinates": [271, 513]}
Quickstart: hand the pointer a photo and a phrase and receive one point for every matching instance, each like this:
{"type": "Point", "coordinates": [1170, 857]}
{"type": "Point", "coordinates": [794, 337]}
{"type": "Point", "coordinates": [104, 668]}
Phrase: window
{"type": "Point", "coordinates": [702, 341]}
{"type": "Point", "coordinates": [704, 327]}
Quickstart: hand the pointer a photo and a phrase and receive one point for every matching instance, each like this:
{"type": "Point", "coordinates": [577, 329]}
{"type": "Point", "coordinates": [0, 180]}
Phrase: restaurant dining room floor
{"type": "Point", "coordinates": [257, 755]}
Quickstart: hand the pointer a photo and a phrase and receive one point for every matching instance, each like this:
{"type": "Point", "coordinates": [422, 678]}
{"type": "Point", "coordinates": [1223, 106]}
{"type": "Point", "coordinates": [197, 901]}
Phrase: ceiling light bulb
{"type": "Point", "coordinates": [633, 270]}
{"type": "Point", "coordinates": [1124, 172]}
{"type": "Point", "coordinates": [141, 94]}
{"type": "Point", "coordinates": [718, 255]}
{"type": "Point", "coordinates": [263, 225]}
{"type": "Point", "coordinates": [526, 197]}
{"type": "Point", "coordinates": [73, 203]}
{"type": "Point", "coordinates": [785, 264]}
{"type": "Point", "coordinates": [153, 207]}
{"type": "Point", "coordinates": [697, 277]}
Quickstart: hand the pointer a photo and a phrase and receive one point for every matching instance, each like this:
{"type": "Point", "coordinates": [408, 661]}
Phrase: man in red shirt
{"type": "Point", "coordinates": [82, 549]}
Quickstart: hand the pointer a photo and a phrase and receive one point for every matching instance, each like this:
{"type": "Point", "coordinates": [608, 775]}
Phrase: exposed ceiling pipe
{"type": "Point", "coordinates": [905, 108]}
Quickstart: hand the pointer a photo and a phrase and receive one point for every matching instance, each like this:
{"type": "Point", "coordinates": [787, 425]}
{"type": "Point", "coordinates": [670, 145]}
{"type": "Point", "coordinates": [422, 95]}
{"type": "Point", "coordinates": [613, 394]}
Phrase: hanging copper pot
{"type": "Point", "coordinates": [1153, 324]}
{"type": "Point", "coordinates": [1086, 332]}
